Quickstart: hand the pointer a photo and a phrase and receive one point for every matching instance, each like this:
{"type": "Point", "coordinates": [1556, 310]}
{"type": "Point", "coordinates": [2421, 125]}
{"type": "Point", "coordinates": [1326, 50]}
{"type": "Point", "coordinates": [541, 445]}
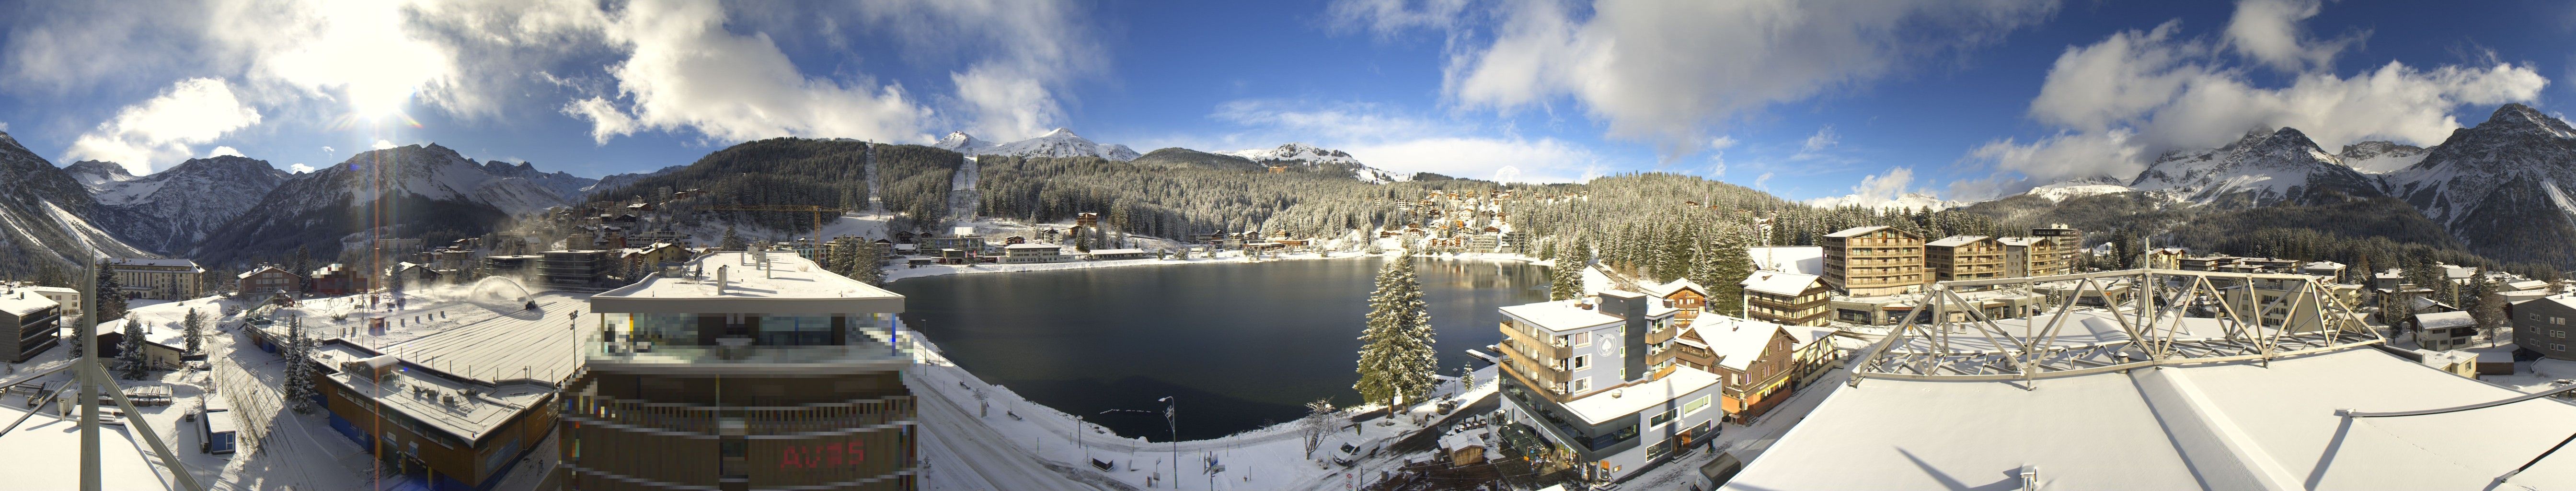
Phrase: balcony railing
{"type": "Point", "coordinates": [873, 346]}
{"type": "Point", "coordinates": [704, 420]}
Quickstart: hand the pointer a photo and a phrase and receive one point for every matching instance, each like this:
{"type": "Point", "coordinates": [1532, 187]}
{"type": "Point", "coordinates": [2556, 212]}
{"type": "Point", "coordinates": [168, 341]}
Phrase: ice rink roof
{"type": "Point", "coordinates": [2238, 425]}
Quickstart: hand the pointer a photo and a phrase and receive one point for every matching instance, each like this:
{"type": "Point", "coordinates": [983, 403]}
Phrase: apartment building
{"type": "Point", "coordinates": [270, 279]}
{"type": "Point", "coordinates": [2032, 256]}
{"type": "Point", "coordinates": [32, 322]}
{"type": "Point", "coordinates": [1787, 298]}
{"type": "Point", "coordinates": [1579, 378]}
{"type": "Point", "coordinates": [2541, 325]}
{"type": "Point", "coordinates": [1870, 261]}
{"type": "Point", "coordinates": [1964, 257]}
{"type": "Point", "coordinates": [763, 372]}
{"type": "Point", "coordinates": [574, 268]}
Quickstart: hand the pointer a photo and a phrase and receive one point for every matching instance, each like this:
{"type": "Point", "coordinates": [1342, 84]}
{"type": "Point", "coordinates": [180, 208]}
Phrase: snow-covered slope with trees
{"type": "Point", "coordinates": [2500, 186]}
{"type": "Point", "coordinates": [1316, 158]}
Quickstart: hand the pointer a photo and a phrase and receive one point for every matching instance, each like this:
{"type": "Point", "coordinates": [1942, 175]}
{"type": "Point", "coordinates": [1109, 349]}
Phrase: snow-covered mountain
{"type": "Point", "coordinates": [1318, 158]}
{"type": "Point", "coordinates": [45, 213]}
{"type": "Point", "coordinates": [1059, 143]}
{"type": "Point", "coordinates": [2264, 167]}
{"type": "Point", "coordinates": [2379, 157]}
{"type": "Point", "coordinates": [2502, 186]}
{"type": "Point", "coordinates": [573, 189]}
{"type": "Point", "coordinates": [614, 182]}
{"type": "Point", "coordinates": [1904, 201]}
{"type": "Point", "coordinates": [2075, 188]}
{"type": "Point", "coordinates": [168, 211]}
{"type": "Point", "coordinates": [427, 190]}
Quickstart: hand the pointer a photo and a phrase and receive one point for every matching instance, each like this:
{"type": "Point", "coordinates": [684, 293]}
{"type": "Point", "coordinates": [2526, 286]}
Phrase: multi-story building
{"type": "Point", "coordinates": [339, 279]}
{"type": "Point", "coordinates": [2442, 331]}
{"type": "Point", "coordinates": [267, 279]}
{"type": "Point", "coordinates": [1787, 298]}
{"type": "Point", "coordinates": [462, 421]}
{"type": "Point", "coordinates": [159, 279]}
{"type": "Point", "coordinates": [1033, 253]}
{"type": "Point", "coordinates": [574, 268]}
{"type": "Point", "coordinates": [1753, 361]}
{"type": "Point", "coordinates": [70, 299]}
{"type": "Point", "coordinates": [1877, 260]}
{"type": "Point", "coordinates": [1681, 294]}
{"type": "Point", "coordinates": [2541, 325]}
{"type": "Point", "coordinates": [2031, 256]}
{"type": "Point", "coordinates": [762, 373]}
{"type": "Point", "coordinates": [2065, 243]}
{"type": "Point", "coordinates": [2165, 257]}
{"type": "Point", "coordinates": [1964, 257]}
{"type": "Point", "coordinates": [30, 323]}
{"type": "Point", "coordinates": [2333, 271]}
{"type": "Point", "coordinates": [1578, 375]}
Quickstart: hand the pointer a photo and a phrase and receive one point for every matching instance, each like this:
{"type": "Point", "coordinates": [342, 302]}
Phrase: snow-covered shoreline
{"type": "Point", "coordinates": [899, 272]}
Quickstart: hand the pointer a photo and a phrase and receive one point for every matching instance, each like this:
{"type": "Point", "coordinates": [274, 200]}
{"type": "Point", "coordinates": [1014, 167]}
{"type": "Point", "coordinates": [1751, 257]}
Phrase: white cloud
{"type": "Point", "coordinates": [327, 149]}
{"type": "Point", "coordinates": [1762, 182]}
{"type": "Point", "coordinates": [1391, 139]}
{"type": "Point", "coordinates": [299, 168]}
{"type": "Point", "coordinates": [2268, 32]}
{"type": "Point", "coordinates": [685, 71]}
{"type": "Point", "coordinates": [2136, 94]}
{"type": "Point", "coordinates": [220, 151]}
{"type": "Point", "coordinates": [1891, 189]}
{"type": "Point", "coordinates": [1668, 72]}
{"type": "Point", "coordinates": [1386, 18]}
{"type": "Point", "coordinates": [158, 131]}
{"type": "Point", "coordinates": [1722, 142]}
{"type": "Point", "coordinates": [382, 144]}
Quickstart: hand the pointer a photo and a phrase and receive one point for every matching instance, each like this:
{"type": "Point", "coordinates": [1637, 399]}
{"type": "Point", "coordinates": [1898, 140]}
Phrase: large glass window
{"type": "Point", "coordinates": [795, 330]}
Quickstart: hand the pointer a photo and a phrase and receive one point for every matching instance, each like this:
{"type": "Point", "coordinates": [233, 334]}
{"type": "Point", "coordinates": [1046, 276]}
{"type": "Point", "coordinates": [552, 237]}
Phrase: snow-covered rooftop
{"type": "Point", "coordinates": [1956, 240]}
{"type": "Point", "coordinates": [2239, 425]}
{"type": "Point", "coordinates": [23, 303]}
{"type": "Point", "coordinates": [1117, 251]}
{"type": "Point", "coordinates": [1778, 283]}
{"type": "Point", "coordinates": [1601, 407]}
{"type": "Point", "coordinates": [1032, 246]}
{"type": "Point", "coordinates": [2441, 320]}
{"type": "Point", "coordinates": [1661, 290]}
{"type": "Point", "coordinates": [172, 263]}
{"type": "Point", "coordinates": [1855, 231]}
{"type": "Point", "coordinates": [1735, 342]}
{"type": "Point", "coordinates": [470, 418]}
{"type": "Point", "coordinates": [2019, 241]}
{"type": "Point", "coordinates": [1794, 259]}
{"type": "Point", "coordinates": [789, 285]}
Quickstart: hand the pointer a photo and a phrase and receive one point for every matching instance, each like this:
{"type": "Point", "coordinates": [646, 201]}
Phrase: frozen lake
{"type": "Point", "coordinates": [1238, 343]}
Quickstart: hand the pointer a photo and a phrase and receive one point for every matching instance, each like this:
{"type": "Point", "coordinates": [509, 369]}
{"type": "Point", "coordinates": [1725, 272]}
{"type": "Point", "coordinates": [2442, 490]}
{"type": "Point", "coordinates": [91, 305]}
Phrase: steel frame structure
{"type": "Point", "coordinates": [1931, 345]}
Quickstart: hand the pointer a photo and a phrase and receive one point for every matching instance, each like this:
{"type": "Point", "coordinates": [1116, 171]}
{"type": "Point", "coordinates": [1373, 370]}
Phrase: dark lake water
{"type": "Point", "coordinates": [1238, 343]}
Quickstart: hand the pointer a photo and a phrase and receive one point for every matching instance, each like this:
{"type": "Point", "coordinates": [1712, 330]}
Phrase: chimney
{"type": "Point", "coordinates": [720, 278]}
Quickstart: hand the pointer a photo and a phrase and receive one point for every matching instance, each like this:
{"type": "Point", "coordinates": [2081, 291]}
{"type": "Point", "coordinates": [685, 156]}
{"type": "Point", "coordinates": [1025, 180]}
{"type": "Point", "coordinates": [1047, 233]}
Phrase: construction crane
{"type": "Point", "coordinates": [816, 210]}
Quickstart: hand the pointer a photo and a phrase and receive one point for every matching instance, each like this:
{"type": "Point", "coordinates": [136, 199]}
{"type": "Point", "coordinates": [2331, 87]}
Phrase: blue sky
{"type": "Point", "coordinates": [1808, 99]}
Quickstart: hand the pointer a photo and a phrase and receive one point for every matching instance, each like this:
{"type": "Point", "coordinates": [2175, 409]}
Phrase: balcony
{"type": "Point", "coordinates": [1551, 347]}
{"type": "Point", "coordinates": [806, 420]}
{"type": "Point", "coordinates": [865, 350]}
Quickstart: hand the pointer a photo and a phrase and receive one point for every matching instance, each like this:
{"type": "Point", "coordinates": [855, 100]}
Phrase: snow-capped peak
{"type": "Point", "coordinates": [2263, 167]}
{"type": "Point", "coordinates": [1058, 143]}
{"type": "Point", "coordinates": [1317, 157]}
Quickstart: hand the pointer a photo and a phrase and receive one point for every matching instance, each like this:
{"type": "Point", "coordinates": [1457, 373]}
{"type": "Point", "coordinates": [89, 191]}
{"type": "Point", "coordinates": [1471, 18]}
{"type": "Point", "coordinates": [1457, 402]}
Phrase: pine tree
{"type": "Point", "coordinates": [131, 364]}
{"type": "Point", "coordinates": [296, 348]}
{"type": "Point", "coordinates": [1397, 362]}
{"type": "Point", "coordinates": [194, 328]}
{"type": "Point", "coordinates": [731, 241]}
{"type": "Point", "coordinates": [1565, 279]}
{"type": "Point", "coordinates": [110, 294]}
{"type": "Point", "coordinates": [1727, 272]}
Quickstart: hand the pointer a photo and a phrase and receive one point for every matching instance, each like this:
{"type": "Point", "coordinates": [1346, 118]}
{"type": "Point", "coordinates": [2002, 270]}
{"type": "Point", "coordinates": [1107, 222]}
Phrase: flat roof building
{"type": "Point", "coordinates": [1875, 260]}
{"type": "Point", "coordinates": [748, 370]}
{"type": "Point", "coordinates": [1578, 375]}
{"type": "Point", "coordinates": [159, 279]}
{"type": "Point", "coordinates": [29, 324]}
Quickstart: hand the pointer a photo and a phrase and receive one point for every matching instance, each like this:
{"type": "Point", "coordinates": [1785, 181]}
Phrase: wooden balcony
{"type": "Point", "coordinates": [1548, 348]}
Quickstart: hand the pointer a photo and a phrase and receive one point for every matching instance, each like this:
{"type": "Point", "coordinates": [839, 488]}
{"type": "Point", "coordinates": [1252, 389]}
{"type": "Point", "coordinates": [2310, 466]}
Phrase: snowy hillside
{"type": "Point", "coordinates": [46, 213]}
{"type": "Point", "coordinates": [573, 189]}
{"type": "Point", "coordinates": [1059, 143]}
{"type": "Point", "coordinates": [1317, 158]}
{"type": "Point", "coordinates": [2262, 168]}
{"type": "Point", "coordinates": [2379, 157]}
{"type": "Point", "coordinates": [619, 181]}
{"type": "Point", "coordinates": [2501, 186]}
{"type": "Point", "coordinates": [173, 209]}
{"type": "Point", "coordinates": [427, 189]}
{"type": "Point", "coordinates": [2061, 191]}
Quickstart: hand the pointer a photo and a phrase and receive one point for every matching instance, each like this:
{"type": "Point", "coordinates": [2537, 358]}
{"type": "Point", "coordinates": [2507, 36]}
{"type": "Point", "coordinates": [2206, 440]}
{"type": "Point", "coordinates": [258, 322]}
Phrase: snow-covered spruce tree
{"type": "Point", "coordinates": [1396, 362]}
{"type": "Point", "coordinates": [296, 348]}
{"type": "Point", "coordinates": [731, 241]}
{"type": "Point", "coordinates": [110, 294]}
{"type": "Point", "coordinates": [1565, 279]}
{"type": "Point", "coordinates": [131, 364]}
{"type": "Point", "coordinates": [193, 327]}
{"type": "Point", "coordinates": [1727, 272]}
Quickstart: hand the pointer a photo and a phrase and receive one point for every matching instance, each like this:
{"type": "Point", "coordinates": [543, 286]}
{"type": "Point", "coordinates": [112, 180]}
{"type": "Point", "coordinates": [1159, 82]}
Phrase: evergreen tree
{"type": "Point", "coordinates": [731, 241]}
{"type": "Point", "coordinates": [1565, 279]}
{"type": "Point", "coordinates": [1397, 362]}
{"type": "Point", "coordinates": [131, 364]}
{"type": "Point", "coordinates": [867, 262]}
{"type": "Point", "coordinates": [194, 328]}
{"type": "Point", "coordinates": [302, 265]}
{"type": "Point", "coordinates": [296, 348]}
{"type": "Point", "coordinates": [1727, 273]}
{"type": "Point", "coordinates": [110, 294]}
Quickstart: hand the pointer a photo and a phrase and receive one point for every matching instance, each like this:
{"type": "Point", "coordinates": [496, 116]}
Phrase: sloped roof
{"type": "Point", "coordinates": [1854, 231]}
{"type": "Point", "coordinates": [1778, 282]}
{"type": "Point", "coordinates": [1794, 259]}
{"type": "Point", "coordinates": [1663, 290]}
{"type": "Point", "coordinates": [2442, 320]}
{"type": "Point", "coordinates": [1736, 342]}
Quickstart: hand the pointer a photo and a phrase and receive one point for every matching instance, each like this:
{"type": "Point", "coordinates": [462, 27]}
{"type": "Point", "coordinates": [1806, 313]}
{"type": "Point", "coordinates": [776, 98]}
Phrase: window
{"type": "Point", "coordinates": [1580, 385]}
{"type": "Point", "coordinates": [1582, 339]}
{"type": "Point", "coordinates": [2558, 320]}
{"type": "Point", "coordinates": [1663, 417]}
{"type": "Point", "coordinates": [1695, 405]}
{"type": "Point", "coordinates": [1580, 362]}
